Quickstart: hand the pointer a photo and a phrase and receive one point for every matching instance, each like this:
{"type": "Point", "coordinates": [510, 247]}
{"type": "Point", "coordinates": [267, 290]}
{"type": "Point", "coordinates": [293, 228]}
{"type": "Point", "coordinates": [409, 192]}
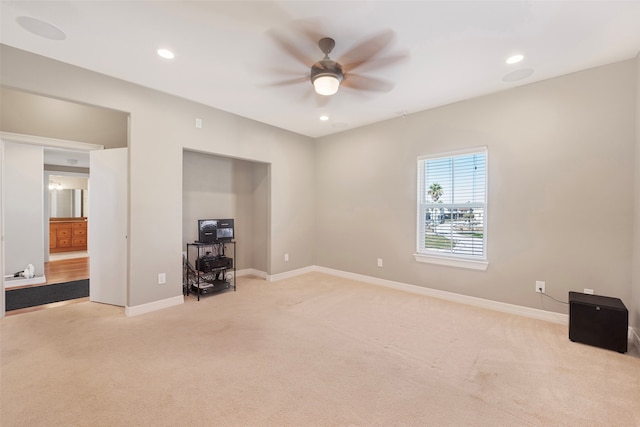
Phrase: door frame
{"type": "Point", "coordinates": [42, 142]}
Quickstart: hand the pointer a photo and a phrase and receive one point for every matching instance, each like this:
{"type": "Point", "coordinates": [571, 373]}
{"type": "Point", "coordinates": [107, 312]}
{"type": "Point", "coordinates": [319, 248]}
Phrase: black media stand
{"type": "Point", "coordinates": [208, 268]}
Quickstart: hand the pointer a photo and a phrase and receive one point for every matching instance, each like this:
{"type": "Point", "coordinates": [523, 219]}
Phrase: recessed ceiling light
{"type": "Point", "coordinates": [166, 53]}
{"type": "Point", "coordinates": [324, 117]}
{"type": "Point", "coordinates": [515, 59]}
{"type": "Point", "coordinates": [41, 28]}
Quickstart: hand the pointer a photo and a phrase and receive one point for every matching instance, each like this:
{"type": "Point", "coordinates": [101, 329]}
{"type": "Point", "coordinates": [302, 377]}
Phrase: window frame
{"type": "Point", "coordinates": [443, 258]}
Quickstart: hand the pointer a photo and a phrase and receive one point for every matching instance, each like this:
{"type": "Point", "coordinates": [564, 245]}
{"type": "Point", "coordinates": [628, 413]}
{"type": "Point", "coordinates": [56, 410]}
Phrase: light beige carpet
{"type": "Point", "coordinates": [315, 350]}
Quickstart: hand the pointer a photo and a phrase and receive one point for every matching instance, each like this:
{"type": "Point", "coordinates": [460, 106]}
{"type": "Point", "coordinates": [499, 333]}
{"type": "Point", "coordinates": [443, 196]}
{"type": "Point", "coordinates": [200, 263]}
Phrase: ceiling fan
{"type": "Point", "coordinates": [328, 75]}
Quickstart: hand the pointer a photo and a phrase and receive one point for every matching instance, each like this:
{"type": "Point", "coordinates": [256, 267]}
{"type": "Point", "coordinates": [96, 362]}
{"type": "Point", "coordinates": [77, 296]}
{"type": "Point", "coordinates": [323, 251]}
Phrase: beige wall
{"type": "Point", "coordinates": [23, 207]}
{"type": "Point", "coordinates": [635, 313]}
{"type": "Point", "coordinates": [31, 114]}
{"type": "Point", "coordinates": [261, 208]}
{"type": "Point", "coordinates": [161, 127]}
{"type": "Point", "coordinates": [221, 187]}
{"type": "Point", "coordinates": [561, 174]}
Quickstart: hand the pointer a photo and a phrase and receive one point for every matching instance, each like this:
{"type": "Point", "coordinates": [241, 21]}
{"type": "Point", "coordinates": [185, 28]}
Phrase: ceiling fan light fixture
{"type": "Point", "coordinates": [326, 84]}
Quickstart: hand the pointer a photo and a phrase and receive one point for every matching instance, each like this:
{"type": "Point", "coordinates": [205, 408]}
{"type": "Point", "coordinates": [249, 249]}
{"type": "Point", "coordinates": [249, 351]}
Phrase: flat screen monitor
{"type": "Point", "coordinates": [224, 233]}
{"type": "Point", "coordinates": [224, 230]}
{"type": "Point", "coordinates": [207, 230]}
{"type": "Point", "coordinates": [215, 230]}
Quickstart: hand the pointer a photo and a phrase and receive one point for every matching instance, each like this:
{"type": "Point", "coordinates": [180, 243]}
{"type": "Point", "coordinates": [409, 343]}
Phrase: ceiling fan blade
{"type": "Point", "coordinates": [281, 71]}
{"type": "Point", "coordinates": [289, 48]}
{"type": "Point", "coordinates": [367, 50]}
{"type": "Point", "coordinates": [308, 28]}
{"type": "Point", "coordinates": [370, 84]}
{"type": "Point", "coordinates": [375, 64]}
{"type": "Point", "coordinates": [288, 82]}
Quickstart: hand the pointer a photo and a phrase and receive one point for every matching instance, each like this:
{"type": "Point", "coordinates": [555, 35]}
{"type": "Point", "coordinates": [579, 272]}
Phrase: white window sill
{"type": "Point", "coordinates": [452, 262]}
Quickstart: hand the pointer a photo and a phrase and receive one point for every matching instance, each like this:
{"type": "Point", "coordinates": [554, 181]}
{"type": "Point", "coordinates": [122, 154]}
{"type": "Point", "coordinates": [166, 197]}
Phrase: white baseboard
{"type": "Point", "coordinates": [450, 296]}
{"type": "Point", "coordinates": [534, 313]}
{"type": "Point", "coordinates": [292, 273]}
{"type": "Point", "coordinates": [635, 338]}
{"type": "Point", "coordinates": [170, 302]}
{"type": "Point", "coordinates": [153, 306]}
{"type": "Point", "coordinates": [251, 272]}
{"type": "Point", "coordinates": [21, 281]}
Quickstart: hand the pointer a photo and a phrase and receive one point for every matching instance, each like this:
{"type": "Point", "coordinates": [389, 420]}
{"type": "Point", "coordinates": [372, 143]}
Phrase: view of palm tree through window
{"type": "Point", "coordinates": [453, 205]}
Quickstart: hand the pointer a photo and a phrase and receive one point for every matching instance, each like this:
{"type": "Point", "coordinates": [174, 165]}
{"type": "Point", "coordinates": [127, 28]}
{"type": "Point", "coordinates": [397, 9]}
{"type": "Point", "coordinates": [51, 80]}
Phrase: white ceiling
{"type": "Point", "coordinates": [68, 158]}
{"type": "Point", "coordinates": [227, 58]}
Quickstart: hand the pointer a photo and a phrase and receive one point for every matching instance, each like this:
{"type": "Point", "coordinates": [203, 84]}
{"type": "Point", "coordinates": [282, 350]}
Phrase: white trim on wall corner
{"type": "Point", "coordinates": [153, 306]}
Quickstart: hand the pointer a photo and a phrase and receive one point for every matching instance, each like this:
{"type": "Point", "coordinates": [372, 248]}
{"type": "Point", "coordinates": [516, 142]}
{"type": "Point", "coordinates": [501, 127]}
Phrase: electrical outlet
{"type": "Point", "coordinates": [379, 262]}
{"type": "Point", "coordinates": [198, 123]}
{"type": "Point", "coordinates": [540, 286]}
{"type": "Point", "coordinates": [162, 278]}
{"type": "Point", "coordinates": [588, 291]}
{"type": "Point", "coordinates": [286, 257]}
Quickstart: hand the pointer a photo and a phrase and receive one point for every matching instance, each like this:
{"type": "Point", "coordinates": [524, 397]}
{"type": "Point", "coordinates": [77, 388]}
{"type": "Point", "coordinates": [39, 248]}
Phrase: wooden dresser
{"type": "Point", "coordinates": [67, 234]}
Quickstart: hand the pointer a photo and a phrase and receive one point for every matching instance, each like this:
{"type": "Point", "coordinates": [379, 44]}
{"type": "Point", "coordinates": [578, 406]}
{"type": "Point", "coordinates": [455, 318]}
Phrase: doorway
{"type": "Point", "coordinates": [97, 127]}
{"type": "Point", "coordinates": [64, 233]}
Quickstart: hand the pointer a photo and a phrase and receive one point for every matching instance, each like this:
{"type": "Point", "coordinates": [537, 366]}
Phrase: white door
{"type": "Point", "coordinates": [108, 226]}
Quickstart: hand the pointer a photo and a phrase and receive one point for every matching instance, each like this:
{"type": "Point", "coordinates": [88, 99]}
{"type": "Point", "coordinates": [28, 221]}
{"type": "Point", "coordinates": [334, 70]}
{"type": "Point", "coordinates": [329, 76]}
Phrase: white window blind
{"type": "Point", "coordinates": [452, 205]}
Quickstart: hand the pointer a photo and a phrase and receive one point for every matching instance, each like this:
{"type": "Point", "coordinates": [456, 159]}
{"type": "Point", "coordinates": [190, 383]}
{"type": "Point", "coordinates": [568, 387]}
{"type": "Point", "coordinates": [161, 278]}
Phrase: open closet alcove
{"type": "Point", "coordinates": [215, 186]}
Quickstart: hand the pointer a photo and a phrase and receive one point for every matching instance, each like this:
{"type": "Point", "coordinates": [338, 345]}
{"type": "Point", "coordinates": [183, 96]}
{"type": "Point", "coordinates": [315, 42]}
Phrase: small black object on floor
{"type": "Point", "coordinates": [38, 295]}
{"type": "Point", "coordinates": [599, 321]}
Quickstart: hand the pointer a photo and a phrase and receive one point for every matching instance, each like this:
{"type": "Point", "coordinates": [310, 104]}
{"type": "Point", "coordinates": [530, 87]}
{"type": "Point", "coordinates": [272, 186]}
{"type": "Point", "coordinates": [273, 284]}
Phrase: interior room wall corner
{"type": "Point", "coordinates": [635, 285]}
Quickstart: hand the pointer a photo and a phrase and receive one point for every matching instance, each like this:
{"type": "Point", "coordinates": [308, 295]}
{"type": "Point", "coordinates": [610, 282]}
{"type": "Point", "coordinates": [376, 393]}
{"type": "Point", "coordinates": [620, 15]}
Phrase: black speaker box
{"type": "Point", "coordinates": [598, 321]}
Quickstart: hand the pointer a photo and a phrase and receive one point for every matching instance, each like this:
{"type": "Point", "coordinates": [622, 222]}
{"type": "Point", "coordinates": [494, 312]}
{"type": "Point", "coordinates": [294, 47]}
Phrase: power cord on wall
{"type": "Point", "coordinates": [556, 300]}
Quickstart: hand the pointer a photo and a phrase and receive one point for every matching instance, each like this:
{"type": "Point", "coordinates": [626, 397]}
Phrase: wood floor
{"type": "Point", "coordinates": [66, 270]}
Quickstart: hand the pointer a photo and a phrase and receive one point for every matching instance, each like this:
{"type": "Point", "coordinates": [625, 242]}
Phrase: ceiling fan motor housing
{"type": "Point", "coordinates": [327, 67]}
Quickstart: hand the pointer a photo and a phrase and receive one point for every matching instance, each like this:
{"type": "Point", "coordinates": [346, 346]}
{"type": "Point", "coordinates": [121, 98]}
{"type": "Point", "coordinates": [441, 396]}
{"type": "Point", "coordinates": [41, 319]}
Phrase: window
{"type": "Point", "coordinates": [452, 208]}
